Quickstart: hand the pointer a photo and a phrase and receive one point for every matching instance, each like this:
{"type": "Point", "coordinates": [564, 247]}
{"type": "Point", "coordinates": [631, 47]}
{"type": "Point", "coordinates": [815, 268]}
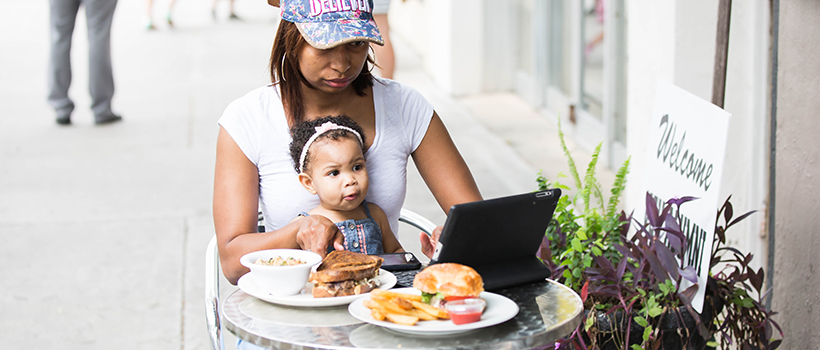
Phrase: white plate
{"type": "Point", "coordinates": [248, 285]}
{"type": "Point", "coordinates": [499, 309]}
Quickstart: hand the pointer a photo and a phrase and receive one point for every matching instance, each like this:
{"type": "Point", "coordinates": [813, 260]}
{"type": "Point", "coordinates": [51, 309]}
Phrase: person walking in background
{"type": "Point", "coordinates": [230, 7]}
{"type": "Point", "coordinates": [385, 58]}
{"type": "Point", "coordinates": [149, 14]}
{"type": "Point", "coordinates": [99, 15]}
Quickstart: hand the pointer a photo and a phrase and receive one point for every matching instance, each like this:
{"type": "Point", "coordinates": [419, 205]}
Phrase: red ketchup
{"type": "Point", "coordinates": [465, 317]}
{"type": "Point", "coordinates": [466, 310]}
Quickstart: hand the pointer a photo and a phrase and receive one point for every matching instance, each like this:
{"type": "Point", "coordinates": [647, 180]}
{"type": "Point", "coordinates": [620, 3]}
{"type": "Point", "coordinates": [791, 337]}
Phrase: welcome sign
{"type": "Point", "coordinates": [685, 155]}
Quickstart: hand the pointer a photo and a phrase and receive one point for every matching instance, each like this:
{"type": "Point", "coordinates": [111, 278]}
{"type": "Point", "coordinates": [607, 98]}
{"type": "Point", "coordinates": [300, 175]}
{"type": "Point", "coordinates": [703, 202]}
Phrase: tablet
{"type": "Point", "coordinates": [499, 237]}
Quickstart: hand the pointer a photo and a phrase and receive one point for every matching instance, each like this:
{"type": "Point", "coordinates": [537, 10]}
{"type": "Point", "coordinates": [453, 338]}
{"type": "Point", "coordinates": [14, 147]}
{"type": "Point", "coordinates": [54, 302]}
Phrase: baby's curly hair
{"type": "Point", "coordinates": [300, 133]}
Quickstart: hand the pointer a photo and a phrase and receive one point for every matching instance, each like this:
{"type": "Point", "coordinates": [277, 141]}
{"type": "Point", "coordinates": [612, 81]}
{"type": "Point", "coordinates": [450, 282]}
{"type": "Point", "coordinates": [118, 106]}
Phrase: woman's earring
{"type": "Point", "coordinates": [282, 64]}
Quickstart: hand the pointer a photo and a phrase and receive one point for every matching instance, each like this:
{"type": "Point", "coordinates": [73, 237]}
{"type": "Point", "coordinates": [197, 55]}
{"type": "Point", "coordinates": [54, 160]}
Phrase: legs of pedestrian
{"type": "Point", "coordinates": [100, 13]}
{"type": "Point", "coordinates": [149, 14]}
{"type": "Point", "coordinates": [168, 14]}
{"type": "Point", "coordinates": [232, 15]}
{"type": "Point", "coordinates": [149, 18]}
{"type": "Point", "coordinates": [63, 18]}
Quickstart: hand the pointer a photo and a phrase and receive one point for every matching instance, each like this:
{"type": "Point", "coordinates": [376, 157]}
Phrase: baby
{"type": "Point", "coordinates": [328, 154]}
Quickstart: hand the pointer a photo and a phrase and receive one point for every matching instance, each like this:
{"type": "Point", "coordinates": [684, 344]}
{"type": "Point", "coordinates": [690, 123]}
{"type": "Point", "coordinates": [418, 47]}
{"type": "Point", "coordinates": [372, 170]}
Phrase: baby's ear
{"type": "Point", "coordinates": [307, 182]}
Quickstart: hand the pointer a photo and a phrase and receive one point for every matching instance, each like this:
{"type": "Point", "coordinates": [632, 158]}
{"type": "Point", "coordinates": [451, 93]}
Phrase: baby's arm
{"type": "Point", "coordinates": [389, 241]}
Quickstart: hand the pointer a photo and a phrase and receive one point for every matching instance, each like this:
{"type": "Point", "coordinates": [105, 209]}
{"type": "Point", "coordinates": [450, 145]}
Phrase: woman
{"type": "Point", "coordinates": [320, 66]}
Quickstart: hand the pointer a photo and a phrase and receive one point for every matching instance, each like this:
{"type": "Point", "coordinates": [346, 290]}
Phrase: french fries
{"type": "Point", "coordinates": [401, 308]}
{"type": "Point", "coordinates": [402, 319]}
{"type": "Point", "coordinates": [404, 304]}
{"type": "Point", "coordinates": [376, 314]}
{"type": "Point", "coordinates": [432, 310]}
{"type": "Point", "coordinates": [390, 294]}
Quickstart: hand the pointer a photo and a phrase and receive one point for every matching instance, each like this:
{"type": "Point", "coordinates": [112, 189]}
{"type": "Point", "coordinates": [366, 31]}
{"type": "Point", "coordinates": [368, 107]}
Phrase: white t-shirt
{"type": "Point", "coordinates": [257, 124]}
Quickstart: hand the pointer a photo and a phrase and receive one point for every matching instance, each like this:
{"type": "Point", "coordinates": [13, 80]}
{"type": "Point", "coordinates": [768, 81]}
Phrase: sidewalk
{"type": "Point", "coordinates": [104, 228]}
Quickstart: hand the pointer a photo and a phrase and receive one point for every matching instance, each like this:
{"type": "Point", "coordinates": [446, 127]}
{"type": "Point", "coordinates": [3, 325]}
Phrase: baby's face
{"type": "Point", "coordinates": [339, 173]}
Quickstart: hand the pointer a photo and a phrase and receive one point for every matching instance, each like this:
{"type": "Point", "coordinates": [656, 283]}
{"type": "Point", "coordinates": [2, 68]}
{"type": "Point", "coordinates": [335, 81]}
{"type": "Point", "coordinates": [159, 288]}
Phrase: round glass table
{"type": "Point", "coordinates": [547, 311]}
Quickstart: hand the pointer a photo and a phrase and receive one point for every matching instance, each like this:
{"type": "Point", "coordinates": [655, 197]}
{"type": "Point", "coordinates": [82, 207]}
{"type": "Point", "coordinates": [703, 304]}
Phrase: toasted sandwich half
{"type": "Point", "coordinates": [343, 273]}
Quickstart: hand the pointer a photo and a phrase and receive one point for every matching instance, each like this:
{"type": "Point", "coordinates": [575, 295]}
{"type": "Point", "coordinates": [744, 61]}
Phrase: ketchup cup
{"type": "Point", "coordinates": [465, 310]}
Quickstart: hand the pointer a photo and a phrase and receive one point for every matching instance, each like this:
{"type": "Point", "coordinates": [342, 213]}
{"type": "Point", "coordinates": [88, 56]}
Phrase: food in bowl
{"type": "Point", "coordinates": [282, 280]}
{"type": "Point", "coordinates": [279, 261]}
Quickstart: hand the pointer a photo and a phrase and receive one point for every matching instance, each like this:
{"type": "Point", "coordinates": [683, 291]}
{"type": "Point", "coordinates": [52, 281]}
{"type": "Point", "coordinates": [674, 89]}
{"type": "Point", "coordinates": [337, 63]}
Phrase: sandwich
{"type": "Point", "coordinates": [344, 273]}
{"type": "Point", "coordinates": [440, 283]}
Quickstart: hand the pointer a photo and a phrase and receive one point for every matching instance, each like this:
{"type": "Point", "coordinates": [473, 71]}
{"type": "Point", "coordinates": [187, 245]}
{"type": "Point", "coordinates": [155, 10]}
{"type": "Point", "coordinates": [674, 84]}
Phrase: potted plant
{"type": "Point", "coordinates": [584, 223]}
{"type": "Point", "coordinates": [632, 285]}
{"type": "Point", "coordinates": [745, 321]}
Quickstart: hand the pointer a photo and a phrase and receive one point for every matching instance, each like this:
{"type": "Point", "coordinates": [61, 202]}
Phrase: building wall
{"type": "Point", "coordinates": [449, 35]}
{"type": "Point", "coordinates": [796, 283]}
{"type": "Point", "coordinates": [410, 20]}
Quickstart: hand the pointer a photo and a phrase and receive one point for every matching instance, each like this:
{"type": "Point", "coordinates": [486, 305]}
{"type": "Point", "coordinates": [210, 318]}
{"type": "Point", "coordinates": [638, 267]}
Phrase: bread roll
{"type": "Point", "coordinates": [449, 279]}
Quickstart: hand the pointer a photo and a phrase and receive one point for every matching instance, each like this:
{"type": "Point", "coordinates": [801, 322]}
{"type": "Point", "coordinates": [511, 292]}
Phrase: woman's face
{"type": "Point", "coordinates": [333, 70]}
{"type": "Point", "coordinates": [337, 173]}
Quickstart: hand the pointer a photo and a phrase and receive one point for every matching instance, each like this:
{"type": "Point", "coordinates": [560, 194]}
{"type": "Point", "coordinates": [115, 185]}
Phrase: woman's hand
{"type": "Point", "coordinates": [428, 243]}
{"type": "Point", "coordinates": [317, 232]}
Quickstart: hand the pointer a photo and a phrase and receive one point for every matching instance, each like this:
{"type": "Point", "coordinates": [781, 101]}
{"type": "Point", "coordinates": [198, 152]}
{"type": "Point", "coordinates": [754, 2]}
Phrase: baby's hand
{"type": "Point", "coordinates": [428, 243]}
{"type": "Point", "coordinates": [317, 232]}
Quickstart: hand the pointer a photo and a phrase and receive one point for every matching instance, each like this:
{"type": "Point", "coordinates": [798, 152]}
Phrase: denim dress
{"type": "Point", "coordinates": [361, 236]}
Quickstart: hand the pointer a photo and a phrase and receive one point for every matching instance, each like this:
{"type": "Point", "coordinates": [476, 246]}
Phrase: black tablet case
{"type": "Point", "coordinates": [499, 237]}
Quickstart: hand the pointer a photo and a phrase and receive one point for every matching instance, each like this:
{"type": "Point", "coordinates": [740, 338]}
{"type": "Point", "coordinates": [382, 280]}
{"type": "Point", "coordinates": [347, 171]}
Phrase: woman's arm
{"type": "Point", "coordinates": [445, 173]}
{"type": "Point", "coordinates": [236, 205]}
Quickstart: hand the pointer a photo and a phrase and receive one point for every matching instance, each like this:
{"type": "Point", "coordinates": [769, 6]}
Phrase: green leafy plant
{"type": "Point", "coordinates": [584, 225]}
{"type": "Point", "coordinates": [632, 285]}
{"type": "Point", "coordinates": [634, 297]}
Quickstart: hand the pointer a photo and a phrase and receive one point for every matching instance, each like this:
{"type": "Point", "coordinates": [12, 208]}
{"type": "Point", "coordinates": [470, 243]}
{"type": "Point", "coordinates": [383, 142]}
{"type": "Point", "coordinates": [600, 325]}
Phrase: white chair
{"type": "Point", "coordinates": [213, 271]}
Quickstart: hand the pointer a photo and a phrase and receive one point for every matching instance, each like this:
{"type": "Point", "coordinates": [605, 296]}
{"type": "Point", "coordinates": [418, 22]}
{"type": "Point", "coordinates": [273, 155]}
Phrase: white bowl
{"type": "Point", "coordinates": [281, 280]}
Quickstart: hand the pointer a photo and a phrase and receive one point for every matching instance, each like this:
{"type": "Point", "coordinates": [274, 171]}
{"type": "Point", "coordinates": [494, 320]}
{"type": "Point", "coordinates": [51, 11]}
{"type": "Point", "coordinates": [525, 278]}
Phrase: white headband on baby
{"type": "Point", "coordinates": [327, 126]}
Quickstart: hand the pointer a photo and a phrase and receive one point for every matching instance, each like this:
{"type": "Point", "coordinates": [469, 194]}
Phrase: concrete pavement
{"type": "Point", "coordinates": [104, 228]}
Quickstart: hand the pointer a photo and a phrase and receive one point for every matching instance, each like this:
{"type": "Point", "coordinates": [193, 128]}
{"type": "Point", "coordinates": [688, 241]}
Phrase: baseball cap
{"type": "Point", "coordinates": [328, 23]}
